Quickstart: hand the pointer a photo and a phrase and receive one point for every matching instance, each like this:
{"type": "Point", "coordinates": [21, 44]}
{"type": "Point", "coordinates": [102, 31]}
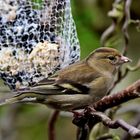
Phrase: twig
{"type": "Point", "coordinates": [136, 22]}
{"type": "Point", "coordinates": [126, 24]}
{"type": "Point", "coordinates": [107, 33]}
{"type": "Point", "coordinates": [51, 125]}
{"type": "Point", "coordinates": [135, 123]}
{"type": "Point", "coordinates": [116, 14]}
{"type": "Point", "coordinates": [133, 131]}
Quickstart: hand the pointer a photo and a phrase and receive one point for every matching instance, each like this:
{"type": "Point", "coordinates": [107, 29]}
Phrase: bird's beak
{"type": "Point", "coordinates": [125, 59]}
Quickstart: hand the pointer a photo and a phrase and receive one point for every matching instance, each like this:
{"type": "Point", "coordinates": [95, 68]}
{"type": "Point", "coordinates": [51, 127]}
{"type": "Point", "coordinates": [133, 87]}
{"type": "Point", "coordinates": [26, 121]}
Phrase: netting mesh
{"type": "Point", "coordinates": [37, 37]}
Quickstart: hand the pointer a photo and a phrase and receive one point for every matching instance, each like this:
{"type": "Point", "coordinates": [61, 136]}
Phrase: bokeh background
{"type": "Point", "coordinates": [29, 122]}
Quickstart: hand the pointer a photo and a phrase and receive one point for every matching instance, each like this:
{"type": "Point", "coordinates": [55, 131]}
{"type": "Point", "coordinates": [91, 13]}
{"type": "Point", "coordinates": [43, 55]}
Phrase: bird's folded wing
{"type": "Point", "coordinates": [42, 90]}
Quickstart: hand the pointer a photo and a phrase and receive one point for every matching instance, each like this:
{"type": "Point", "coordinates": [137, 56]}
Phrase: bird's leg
{"type": "Point", "coordinates": [77, 114]}
{"type": "Point", "coordinates": [89, 109]}
{"type": "Point", "coordinates": [82, 116]}
{"type": "Point", "coordinates": [81, 120]}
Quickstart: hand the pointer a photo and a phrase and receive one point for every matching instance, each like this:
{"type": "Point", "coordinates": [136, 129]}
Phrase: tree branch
{"type": "Point", "coordinates": [131, 92]}
{"type": "Point", "coordinates": [135, 123]}
{"type": "Point", "coordinates": [133, 131]}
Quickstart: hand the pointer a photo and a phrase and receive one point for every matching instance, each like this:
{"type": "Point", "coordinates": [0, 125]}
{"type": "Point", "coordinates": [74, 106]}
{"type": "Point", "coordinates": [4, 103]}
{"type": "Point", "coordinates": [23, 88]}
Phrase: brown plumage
{"type": "Point", "coordinates": [77, 85]}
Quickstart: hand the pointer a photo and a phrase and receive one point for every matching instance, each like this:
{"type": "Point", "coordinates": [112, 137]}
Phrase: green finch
{"type": "Point", "coordinates": [77, 85]}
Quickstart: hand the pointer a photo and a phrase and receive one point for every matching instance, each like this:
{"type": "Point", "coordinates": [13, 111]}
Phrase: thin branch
{"type": "Point", "coordinates": [126, 24]}
{"type": "Point", "coordinates": [116, 14]}
{"type": "Point", "coordinates": [137, 23]}
{"type": "Point", "coordinates": [133, 131]}
{"type": "Point", "coordinates": [51, 125]}
{"type": "Point", "coordinates": [136, 124]}
{"type": "Point", "coordinates": [107, 33]}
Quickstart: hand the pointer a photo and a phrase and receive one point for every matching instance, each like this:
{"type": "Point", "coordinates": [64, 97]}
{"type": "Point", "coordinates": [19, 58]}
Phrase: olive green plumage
{"type": "Point", "coordinates": [77, 85]}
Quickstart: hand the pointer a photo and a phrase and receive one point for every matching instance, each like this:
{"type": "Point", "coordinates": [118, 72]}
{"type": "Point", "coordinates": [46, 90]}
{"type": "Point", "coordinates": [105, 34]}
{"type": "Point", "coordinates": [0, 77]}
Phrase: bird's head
{"type": "Point", "coordinates": [107, 59]}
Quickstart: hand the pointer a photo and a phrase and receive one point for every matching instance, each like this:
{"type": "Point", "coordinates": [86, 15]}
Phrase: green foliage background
{"type": "Point", "coordinates": [30, 122]}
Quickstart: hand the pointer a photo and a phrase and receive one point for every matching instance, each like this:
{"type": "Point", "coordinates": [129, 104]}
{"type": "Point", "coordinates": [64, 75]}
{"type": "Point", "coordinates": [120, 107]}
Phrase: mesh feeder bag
{"type": "Point", "coordinates": [37, 37]}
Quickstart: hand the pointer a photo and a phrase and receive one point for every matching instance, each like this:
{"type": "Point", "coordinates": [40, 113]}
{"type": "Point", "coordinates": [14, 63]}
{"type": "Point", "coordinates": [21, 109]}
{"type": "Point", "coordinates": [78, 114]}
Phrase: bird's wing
{"type": "Point", "coordinates": [44, 89]}
{"type": "Point", "coordinates": [52, 87]}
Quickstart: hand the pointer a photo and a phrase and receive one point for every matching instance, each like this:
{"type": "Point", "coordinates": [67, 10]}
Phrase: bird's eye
{"type": "Point", "coordinates": [112, 58]}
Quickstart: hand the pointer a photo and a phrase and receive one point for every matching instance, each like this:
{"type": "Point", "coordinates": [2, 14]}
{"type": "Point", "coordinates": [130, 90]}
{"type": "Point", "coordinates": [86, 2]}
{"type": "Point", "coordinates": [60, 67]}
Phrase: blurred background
{"type": "Point", "coordinates": [30, 121]}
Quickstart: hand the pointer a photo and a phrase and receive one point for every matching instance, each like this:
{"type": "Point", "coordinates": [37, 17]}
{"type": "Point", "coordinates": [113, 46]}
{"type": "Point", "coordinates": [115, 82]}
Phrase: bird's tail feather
{"type": "Point", "coordinates": [40, 92]}
{"type": "Point", "coordinates": [33, 94]}
{"type": "Point", "coordinates": [22, 97]}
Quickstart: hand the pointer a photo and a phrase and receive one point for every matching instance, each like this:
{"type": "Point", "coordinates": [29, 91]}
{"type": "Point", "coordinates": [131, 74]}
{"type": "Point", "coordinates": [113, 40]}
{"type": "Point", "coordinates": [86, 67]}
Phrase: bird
{"type": "Point", "coordinates": [76, 86]}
